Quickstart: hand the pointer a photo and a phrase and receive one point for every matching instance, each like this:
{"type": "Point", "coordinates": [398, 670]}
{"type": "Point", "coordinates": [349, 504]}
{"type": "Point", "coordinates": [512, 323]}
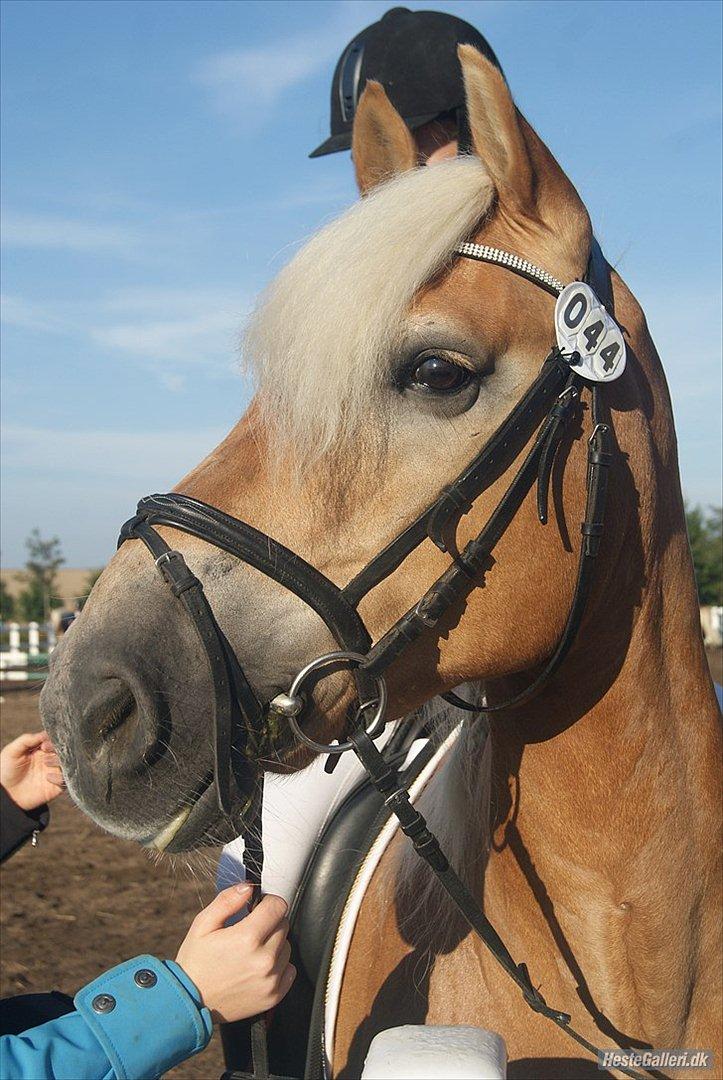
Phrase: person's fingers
{"type": "Point", "coordinates": [286, 981]}
{"type": "Point", "coordinates": [283, 958]}
{"type": "Point", "coordinates": [227, 903]}
{"type": "Point", "coordinates": [32, 738]}
{"type": "Point", "coordinates": [266, 917]}
{"type": "Point", "coordinates": [26, 742]}
{"type": "Point", "coordinates": [50, 757]}
{"type": "Point", "coordinates": [47, 745]}
{"type": "Point", "coordinates": [55, 776]}
{"type": "Point", "coordinates": [276, 941]}
{"type": "Point", "coordinates": [280, 987]}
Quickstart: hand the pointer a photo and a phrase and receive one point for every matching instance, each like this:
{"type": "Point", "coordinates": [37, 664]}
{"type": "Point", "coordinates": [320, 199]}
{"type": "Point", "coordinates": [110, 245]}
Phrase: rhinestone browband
{"type": "Point", "coordinates": [512, 262]}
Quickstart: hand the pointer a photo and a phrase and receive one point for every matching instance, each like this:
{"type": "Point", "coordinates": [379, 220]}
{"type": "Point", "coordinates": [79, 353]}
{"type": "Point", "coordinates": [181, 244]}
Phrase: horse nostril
{"type": "Point", "coordinates": [121, 709]}
{"type": "Point", "coordinates": [122, 731]}
{"type": "Point", "coordinates": [111, 707]}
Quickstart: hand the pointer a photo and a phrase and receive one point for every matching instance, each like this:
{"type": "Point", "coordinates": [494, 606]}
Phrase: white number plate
{"type": "Point", "coordinates": [584, 326]}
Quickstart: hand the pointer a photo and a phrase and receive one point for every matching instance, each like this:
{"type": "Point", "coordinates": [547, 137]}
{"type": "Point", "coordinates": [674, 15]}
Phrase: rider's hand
{"type": "Point", "coordinates": [30, 771]}
{"type": "Point", "coordinates": [243, 969]}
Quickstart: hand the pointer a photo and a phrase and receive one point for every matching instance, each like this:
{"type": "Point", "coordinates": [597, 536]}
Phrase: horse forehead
{"type": "Point", "coordinates": [477, 298]}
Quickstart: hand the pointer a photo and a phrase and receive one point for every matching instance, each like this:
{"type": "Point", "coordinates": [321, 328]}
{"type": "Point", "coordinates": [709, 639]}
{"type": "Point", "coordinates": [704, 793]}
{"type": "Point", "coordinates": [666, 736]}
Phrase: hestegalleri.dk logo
{"type": "Point", "coordinates": [677, 1058]}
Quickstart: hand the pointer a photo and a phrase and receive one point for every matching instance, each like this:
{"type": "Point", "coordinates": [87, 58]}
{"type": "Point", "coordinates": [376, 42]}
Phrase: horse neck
{"type": "Point", "coordinates": [614, 767]}
{"type": "Point", "coordinates": [604, 751]}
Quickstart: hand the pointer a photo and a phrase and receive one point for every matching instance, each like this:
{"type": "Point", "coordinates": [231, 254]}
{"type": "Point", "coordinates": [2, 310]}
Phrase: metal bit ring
{"type": "Point", "coordinates": [375, 727]}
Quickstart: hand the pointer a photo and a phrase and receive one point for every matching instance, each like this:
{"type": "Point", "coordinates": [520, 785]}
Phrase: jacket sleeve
{"type": "Point", "coordinates": [137, 1020]}
{"type": "Point", "coordinates": [16, 825]}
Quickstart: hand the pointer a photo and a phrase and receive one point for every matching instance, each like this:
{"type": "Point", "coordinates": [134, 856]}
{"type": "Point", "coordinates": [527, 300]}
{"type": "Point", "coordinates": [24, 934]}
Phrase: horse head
{"type": "Point", "coordinates": [383, 362]}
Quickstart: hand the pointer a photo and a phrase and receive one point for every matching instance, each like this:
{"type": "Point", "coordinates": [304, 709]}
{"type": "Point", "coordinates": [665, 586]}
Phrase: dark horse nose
{"type": "Point", "coordinates": [114, 727]}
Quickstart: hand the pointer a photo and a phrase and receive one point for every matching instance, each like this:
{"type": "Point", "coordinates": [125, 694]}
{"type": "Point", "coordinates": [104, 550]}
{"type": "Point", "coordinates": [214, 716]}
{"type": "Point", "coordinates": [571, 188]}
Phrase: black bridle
{"type": "Point", "coordinates": [545, 408]}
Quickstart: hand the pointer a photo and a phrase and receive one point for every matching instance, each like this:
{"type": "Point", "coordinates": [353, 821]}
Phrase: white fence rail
{"type": "Point", "coordinates": [23, 659]}
{"type": "Point", "coordinates": [711, 622]}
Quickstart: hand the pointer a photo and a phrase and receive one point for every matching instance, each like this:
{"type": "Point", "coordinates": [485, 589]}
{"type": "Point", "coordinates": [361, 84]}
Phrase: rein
{"type": "Point", "coordinates": [546, 407]}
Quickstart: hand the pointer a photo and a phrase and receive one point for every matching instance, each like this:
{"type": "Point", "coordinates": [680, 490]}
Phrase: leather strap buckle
{"type": "Point", "coordinates": [452, 501]}
{"type": "Point", "coordinates": [591, 528]}
{"type": "Point", "coordinates": [599, 436]}
{"type": "Point", "coordinates": [175, 572]}
{"type": "Point", "coordinates": [422, 612]}
{"type": "Point", "coordinates": [565, 402]}
{"type": "Point", "coordinates": [597, 447]}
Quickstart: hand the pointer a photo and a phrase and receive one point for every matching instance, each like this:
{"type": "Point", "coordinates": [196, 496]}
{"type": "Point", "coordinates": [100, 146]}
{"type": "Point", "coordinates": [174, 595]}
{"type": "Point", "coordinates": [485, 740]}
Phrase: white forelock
{"type": "Point", "coordinates": [324, 332]}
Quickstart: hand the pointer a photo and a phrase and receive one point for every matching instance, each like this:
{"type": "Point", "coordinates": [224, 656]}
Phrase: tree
{"type": "Point", "coordinates": [44, 560]}
{"type": "Point", "coordinates": [7, 603]}
{"type": "Point", "coordinates": [705, 532]}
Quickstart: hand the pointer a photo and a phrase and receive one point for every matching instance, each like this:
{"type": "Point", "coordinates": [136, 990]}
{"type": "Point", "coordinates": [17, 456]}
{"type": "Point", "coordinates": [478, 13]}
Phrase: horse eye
{"type": "Point", "coordinates": [439, 376]}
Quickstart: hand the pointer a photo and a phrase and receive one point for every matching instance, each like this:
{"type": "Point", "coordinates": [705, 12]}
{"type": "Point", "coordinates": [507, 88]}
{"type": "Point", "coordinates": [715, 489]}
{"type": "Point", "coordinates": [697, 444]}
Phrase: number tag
{"type": "Point", "coordinates": [584, 326]}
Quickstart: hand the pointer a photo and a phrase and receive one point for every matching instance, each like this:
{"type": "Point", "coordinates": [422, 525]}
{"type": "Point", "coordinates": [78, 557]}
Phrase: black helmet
{"type": "Point", "coordinates": [414, 55]}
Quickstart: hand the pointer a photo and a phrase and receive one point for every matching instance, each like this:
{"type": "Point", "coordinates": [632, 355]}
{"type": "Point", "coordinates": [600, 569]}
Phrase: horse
{"type": "Point", "coordinates": [586, 822]}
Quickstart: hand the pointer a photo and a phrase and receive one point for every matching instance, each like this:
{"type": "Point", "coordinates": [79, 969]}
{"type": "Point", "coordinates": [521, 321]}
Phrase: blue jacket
{"type": "Point", "coordinates": [134, 1022]}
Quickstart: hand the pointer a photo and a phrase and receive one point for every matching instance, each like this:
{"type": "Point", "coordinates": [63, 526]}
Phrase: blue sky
{"type": "Point", "coordinates": [155, 177]}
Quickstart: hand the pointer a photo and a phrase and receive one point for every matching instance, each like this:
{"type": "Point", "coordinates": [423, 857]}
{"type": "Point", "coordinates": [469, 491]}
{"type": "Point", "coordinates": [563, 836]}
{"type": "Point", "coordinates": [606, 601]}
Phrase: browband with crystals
{"type": "Point", "coordinates": [513, 262]}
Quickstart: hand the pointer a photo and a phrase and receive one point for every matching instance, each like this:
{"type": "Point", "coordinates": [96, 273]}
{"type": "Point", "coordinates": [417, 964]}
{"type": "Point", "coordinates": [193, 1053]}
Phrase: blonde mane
{"type": "Point", "coordinates": [322, 335]}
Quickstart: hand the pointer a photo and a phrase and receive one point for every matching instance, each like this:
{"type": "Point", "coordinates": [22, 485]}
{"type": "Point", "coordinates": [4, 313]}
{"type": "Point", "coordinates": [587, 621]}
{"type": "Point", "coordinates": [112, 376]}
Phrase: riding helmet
{"type": "Point", "coordinates": [413, 54]}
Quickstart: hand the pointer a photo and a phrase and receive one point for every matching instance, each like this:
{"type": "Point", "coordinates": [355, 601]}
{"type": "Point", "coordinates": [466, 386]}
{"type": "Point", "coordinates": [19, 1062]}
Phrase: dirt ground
{"type": "Point", "coordinates": [83, 900]}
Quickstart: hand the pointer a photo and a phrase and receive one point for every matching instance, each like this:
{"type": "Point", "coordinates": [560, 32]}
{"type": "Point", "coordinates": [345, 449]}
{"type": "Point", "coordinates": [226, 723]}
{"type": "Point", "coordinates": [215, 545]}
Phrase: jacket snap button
{"type": "Point", "coordinates": [103, 1003]}
{"type": "Point", "coordinates": [145, 978]}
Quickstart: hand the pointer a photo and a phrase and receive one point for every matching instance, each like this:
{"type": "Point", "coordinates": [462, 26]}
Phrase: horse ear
{"type": "Point", "coordinates": [382, 144]}
{"type": "Point", "coordinates": [496, 129]}
{"type": "Point", "coordinates": [529, 181]}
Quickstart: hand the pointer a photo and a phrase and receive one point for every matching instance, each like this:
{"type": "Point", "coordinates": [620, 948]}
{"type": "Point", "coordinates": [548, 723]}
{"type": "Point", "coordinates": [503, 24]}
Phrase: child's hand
{"type": "Point", "coordinates": [30, 771]}
{"type": "Point", "coordinates": [243, 969]}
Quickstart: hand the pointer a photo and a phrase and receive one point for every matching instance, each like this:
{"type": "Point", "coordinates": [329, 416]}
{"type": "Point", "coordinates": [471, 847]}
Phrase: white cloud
{"type": "Point", "coordinates": [114, 455]}
{"type": "Point", "coordinates": [179, 326]}
{"type": "Point", "coordinates": [47, 231]}
{"type": "Point", "coordinates": [28, 315]}
{"type": "Point", "coordinates": [150, 299]}
{"type": "Point", "coordinates": [182, 341]}
{"type": "Point", "coordinates": [160, 327]}
{"type": "Point", "coordinates": [245, 80]}
{"type": "Point", "coordinates": [332, 192]}
{"type": "Point", "coordinates": [246, 84]}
